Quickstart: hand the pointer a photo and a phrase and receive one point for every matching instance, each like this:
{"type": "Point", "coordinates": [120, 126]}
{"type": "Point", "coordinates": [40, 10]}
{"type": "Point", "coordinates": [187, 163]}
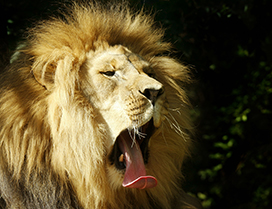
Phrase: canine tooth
{"type": "Point", "coordinates": [121, 158]}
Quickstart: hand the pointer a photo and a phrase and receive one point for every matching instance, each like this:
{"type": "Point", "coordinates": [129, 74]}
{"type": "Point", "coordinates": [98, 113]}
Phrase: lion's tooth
{"type": "Point", "coordinates": [121, 158]}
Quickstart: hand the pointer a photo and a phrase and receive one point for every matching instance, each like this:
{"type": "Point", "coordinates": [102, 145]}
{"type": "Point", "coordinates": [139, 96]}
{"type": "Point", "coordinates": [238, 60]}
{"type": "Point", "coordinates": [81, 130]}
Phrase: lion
{"type": "Point", "coordinates": [94, 114]}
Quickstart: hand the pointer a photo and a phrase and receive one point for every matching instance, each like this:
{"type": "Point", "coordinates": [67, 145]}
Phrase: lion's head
{"type": "Point", "coordinates": [132, 104]}
{"type": "Point", "coordinates": [99, 109]}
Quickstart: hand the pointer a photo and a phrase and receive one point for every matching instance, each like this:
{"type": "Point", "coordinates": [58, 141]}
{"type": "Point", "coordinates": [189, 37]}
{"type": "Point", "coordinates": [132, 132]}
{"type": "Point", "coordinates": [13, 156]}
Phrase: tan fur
{"type": "Point", "coordinates": [56, 130]}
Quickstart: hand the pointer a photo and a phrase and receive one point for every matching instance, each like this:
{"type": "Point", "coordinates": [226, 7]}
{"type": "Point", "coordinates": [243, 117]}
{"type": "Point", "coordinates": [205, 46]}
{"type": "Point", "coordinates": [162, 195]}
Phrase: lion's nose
{"type": "Point", "coordinates": [153, 93]}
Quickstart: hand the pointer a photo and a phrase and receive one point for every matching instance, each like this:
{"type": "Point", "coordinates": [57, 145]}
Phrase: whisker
{"type": "Point", "coordinates": [175, 126]}
{"type": "Point", "coordinates": [163, 135]}
{"type": "Point", "coordinates": [134, 132]}
{"type": "Point", "coordinates": [140, 133]}
{"type": "Point", "coordinates": [132, 137]}
{"type": "Point", "coordinates": [175, 110]}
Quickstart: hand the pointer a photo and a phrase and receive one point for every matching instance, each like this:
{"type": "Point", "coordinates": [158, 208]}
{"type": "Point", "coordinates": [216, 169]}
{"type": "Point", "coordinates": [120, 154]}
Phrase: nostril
{"type": "Point", "coordinates": [161, 91]}
{"type": "Point", "coordinates": [153, 94]}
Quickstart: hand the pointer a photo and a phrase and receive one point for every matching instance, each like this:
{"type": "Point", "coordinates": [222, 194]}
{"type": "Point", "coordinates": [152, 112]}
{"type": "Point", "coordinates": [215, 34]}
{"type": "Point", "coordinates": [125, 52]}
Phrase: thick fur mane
{"type": "Point", "coordinates": [52, 142]}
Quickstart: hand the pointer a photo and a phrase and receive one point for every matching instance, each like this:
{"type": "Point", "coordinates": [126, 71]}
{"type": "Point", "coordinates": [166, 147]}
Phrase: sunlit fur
{"type": "Point", "coordinates": [52, 151]}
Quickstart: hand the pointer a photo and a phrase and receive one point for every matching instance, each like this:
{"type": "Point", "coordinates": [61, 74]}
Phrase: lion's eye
{"type": "Point", "coordinates": [108, 73]}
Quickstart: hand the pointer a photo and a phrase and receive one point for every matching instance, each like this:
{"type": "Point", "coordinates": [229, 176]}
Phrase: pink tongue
{"type": "Point", "coordinates": [135, 175]}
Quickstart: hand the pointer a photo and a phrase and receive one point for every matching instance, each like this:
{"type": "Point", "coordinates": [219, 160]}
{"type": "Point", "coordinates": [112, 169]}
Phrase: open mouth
{"type": "Point", "coordinates": [130, 154]}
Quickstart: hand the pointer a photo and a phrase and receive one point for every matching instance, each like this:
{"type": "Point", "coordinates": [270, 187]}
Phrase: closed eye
{"type": "Point", "coordinates": [108, 73]}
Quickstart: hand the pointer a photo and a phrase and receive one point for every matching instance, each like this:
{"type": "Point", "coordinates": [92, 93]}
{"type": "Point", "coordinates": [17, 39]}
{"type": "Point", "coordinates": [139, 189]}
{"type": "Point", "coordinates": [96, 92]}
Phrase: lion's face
{"type": "Point", "coordinates": [122, 88]}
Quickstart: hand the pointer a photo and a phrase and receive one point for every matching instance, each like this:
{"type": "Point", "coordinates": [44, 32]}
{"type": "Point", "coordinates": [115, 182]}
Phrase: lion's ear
{"type": "Point", "coordinates": [45, 74]}
{"type": "Point", "coordinates": [56, 70]}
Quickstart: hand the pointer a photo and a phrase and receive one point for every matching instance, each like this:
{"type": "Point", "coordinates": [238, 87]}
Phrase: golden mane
{"type": "Point", "coordinates": [52, 151]}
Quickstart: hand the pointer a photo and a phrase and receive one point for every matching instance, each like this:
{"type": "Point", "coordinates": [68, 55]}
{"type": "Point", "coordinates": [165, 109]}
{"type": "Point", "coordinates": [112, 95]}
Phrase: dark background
{"type": "Point", "coordinates": [228, 44]}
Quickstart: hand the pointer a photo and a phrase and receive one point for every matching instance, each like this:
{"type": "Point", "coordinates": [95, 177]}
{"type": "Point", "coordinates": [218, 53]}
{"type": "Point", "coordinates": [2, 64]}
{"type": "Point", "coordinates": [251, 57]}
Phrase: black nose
{"type": "Point", "coordinates": [153, 94]}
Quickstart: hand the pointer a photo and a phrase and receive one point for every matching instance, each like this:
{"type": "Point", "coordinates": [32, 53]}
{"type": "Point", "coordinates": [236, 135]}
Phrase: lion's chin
{"type": "Point", "coordinates": [130, 154]}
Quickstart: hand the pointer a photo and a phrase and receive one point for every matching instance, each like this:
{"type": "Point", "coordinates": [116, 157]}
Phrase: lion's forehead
{"type": "Point", "coordinates": [120, 57]}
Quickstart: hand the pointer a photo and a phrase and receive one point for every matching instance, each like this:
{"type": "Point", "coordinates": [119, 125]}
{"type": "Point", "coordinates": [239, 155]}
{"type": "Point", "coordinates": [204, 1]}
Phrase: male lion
{"type": "Point", "coordinates": [92, 115]}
